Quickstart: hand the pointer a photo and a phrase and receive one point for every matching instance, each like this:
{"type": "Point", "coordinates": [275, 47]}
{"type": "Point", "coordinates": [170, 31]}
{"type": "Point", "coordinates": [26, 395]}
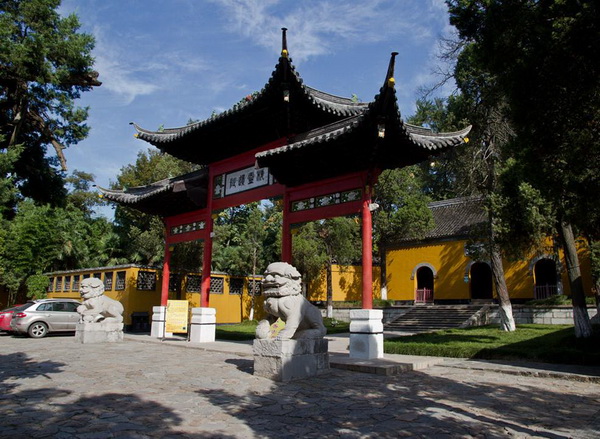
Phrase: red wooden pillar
{"type": "Point", "coordinates": [367, 251]}
{"type": "Point", "coordinates": [286, 233]}
{"type": "Point", "coordinates": [166, 271]}
{"type": "Point", "coordinates": [208, 237]}
{"type": "Point", "coordinates": [206, 264]}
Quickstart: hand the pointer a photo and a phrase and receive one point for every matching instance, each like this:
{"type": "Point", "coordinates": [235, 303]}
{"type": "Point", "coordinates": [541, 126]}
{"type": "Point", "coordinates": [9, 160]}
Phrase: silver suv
{"type": "Point", "coordinates": [44, 316]}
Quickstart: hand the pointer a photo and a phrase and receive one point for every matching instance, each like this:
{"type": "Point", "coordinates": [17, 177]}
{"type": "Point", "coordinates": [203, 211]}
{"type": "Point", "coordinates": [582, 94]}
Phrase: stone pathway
{"type": "Point", "coordinates": [56, 388]}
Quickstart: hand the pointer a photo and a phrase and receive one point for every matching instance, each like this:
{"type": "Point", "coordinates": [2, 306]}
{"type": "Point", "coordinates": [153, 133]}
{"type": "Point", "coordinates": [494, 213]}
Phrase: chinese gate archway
{"type": "Point", "coordinates": [321, 153]}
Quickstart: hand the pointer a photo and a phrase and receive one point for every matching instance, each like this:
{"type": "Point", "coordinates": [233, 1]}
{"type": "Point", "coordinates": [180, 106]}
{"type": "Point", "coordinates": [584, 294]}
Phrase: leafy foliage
{"type": "Point", "coordinates": [540, 58]}
{"type": "Point", "coordinates": [45, 65]}
{"type": "Point", "coordinates": [142, 235]}
{"type": "Point", "coordinates": [37, 285]}
{"type": "Point", "coordinates": [241, 235]}
{"type": "Point", "coordinates": [403, 211]}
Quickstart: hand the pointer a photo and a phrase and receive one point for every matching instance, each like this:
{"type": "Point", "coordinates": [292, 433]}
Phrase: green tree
{"type": "Point", "coordinates": [402, 213]}
{"type": "Point", "coordinates": [474, 168]}
{"type": "Point", "coordinates": [30, 246]}
{"type": "Point", "coordinates": [542, 56]}
{"type": "Point", "coordinates": [341, 240]}
{"type": "Point", "coordinates": [142, 235]}
{"type": "Point", "coordinates": [45, 65]}
{"type": "Point", "coordinates": [80, 193]}
{"type": "Point", "coordinates": [318, 245]}
{"type": "Point", "coordinates": [308, 253]}
{"type": "Point", "coordinates": [43, 238]}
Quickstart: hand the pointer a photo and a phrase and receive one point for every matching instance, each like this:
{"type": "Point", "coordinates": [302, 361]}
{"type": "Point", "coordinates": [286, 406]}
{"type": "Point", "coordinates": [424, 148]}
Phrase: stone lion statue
{"type": "Point", "coordinates": [96, 306]}
{"type": "Point", "coordinates": [282, 288]}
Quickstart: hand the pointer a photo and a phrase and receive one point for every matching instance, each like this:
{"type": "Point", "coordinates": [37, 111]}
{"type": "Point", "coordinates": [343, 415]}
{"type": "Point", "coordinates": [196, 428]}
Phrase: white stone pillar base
{"type": "Point", "coordinates": [204, 325]}
{"type": "Point", "coordinates": [286, 360]}
{"type": "Point", "coordinates": [366, 333]}
{"type": "Point", "coordinates": [159, 317]}
{"type": "Point", "coordinates": [99, 332]}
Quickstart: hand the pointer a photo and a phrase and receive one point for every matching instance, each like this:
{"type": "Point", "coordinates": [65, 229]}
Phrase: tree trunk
{"type": "Point", "coordinates": [329, 291]}
{"type": "Point", "coordinates": [596, 319]}
{"type": "Point", "coordinates": [252, 283]}
{"type": "Point", "coordinates": [507, 322]}
{"type": "Point", "coordinates": [595, 279]}
{"type": "Point", "coordinates": [581, 318]}
{"type": "Point", "coordinates": [383, 271]}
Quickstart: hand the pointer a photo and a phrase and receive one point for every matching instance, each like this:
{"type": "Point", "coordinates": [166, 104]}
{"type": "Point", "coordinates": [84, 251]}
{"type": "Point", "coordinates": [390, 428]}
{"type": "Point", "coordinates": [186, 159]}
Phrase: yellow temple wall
{"type": "Point", "coordinates": [231, 308]}
{"type": "Point", "coordinates": [346, 283]}
{"type": "Point", "coordinates": [449, 261]}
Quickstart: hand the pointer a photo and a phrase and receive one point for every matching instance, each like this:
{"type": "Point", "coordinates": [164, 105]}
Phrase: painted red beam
{"type": "Point", "coordinates": [319, 213]}
{"type": "Point", "coordinates": [249, 196]}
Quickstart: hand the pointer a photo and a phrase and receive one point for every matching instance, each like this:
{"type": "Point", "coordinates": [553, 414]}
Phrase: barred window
{"type": "Point", "coordinates": [67, 285]}
{"type": "Point", "coordinates": [236, 285]}
{"type": "Point", "coordinates": [175, 282]}
{"type": "Point", "coordinates": [98, 275]}
{"type": "Point", "coordinates": [108, 280]}
{"type": "Point", "coordinates": [58, 284]}
{"type": "Point", "coordinates": [120, 284]}
{"type": "Point", "coordinates": [217, 285]}
{"type": "Point", "coordinates": [193, 283]}
{"type": "Point", "coordinates": [86, 276]}
{"type": "Point", "coordinates": [75, 283]}
{"type": "Point", "coordinates": [254, 287]}
{"type": "Point", "coordinates": [51, 285]}
{"type": "Point", "coordinates": [146, 280]}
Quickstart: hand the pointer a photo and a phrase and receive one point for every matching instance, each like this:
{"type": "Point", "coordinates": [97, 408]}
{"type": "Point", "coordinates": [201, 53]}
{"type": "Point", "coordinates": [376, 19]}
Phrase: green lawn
{"type": "Point", "coordinates": [246, 329]}
{"type": "Point", "coordinates": [543, 343]}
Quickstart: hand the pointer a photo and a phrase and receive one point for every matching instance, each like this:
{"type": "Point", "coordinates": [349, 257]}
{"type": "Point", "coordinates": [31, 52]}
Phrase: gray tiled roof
{"type": "Point", "coordinates": [455, 218]}
{"type": "Point", "coordinates": [325, 102]}
{"type": "Point", "coordinates": [165, 197]}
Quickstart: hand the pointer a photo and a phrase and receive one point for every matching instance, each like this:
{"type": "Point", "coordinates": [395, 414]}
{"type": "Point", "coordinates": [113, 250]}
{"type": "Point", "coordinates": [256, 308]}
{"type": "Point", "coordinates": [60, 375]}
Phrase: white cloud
{"type": "Point", "coordinates": [318, 25]}
{"type": "Point", "coordinates": [130, 73]}
{"type": "Point", "coordinates": [120, 80]}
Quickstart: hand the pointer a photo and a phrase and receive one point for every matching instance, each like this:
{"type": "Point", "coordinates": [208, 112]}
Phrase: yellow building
{"type": "Point", "coordinates": [138, 289]}
{"type": "Point", "coordinates": [346, 284]}
{"type": "Point", "coordinates": [439, 268]}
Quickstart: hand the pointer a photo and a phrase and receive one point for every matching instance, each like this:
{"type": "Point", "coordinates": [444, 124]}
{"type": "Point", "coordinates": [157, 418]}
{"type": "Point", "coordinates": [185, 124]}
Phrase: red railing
{"type": "Point", "coordinates": [545, 291]}
{"type": "Point", "coordinates": [424, 295]}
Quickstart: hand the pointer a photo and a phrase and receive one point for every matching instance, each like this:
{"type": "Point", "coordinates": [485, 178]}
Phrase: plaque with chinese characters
{"type": "Point", "coordinates": [240, 181]}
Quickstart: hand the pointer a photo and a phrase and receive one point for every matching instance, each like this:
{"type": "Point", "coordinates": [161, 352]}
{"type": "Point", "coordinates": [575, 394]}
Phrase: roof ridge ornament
{"type": "Point", "coordinates": [389, 77]}
{"type": "Point", "coordinates": [284, 49]}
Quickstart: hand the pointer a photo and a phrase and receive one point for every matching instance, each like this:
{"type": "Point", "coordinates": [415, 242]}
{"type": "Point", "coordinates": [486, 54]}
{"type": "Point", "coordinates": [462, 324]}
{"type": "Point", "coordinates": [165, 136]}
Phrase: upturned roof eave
{"type": "Point", "coordinates": [284, 75]}
{"type": "Point", "coordinates": [140, 193]}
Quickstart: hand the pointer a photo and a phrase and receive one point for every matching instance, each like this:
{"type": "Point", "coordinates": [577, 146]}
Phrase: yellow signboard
{"type": "Point", "coordinates": [177, 316]}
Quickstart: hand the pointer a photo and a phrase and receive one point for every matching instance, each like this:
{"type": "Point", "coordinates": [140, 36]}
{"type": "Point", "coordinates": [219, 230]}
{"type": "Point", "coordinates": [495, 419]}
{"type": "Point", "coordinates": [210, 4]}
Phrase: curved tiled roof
{"type": "Point", "coordinates": [285, 74]}
{"type": "Point", "coordinates": [427, 139]}
{"type": "Point", "coordinates": [166, 197]}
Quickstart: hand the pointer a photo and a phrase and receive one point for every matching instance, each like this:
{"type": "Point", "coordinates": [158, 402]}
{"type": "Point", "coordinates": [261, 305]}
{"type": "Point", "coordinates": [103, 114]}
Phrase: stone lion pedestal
{"type": "Point", "coordinates": [101, 317]}
{"type": "Point", "coordinates": [286, 360]}
{"type": "Point", "coordinates": [108, 332]}
{"type": "Point", "coordinates": [289, 343]}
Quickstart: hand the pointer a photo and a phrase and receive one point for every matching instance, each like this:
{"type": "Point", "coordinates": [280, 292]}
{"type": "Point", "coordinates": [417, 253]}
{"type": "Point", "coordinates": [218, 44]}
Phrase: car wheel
{"type": "Point", "coordinates": [38, 330]}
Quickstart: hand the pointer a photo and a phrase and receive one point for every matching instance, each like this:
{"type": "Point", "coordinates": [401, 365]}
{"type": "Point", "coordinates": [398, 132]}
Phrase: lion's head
{"type": "Point", "coordinates": [91, 287]}
{"type": "Point", "coordinates": [281, 279]}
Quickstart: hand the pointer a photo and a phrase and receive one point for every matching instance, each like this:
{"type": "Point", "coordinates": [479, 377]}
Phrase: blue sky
{"type": "Point", "coordinates": [164, 62]}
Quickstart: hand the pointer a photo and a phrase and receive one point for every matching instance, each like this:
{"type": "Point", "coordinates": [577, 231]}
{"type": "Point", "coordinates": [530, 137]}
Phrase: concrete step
{"type": "Point", "coordinates": [430, 318]}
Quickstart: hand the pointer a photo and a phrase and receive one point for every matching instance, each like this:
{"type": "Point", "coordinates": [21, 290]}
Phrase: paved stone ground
{"type": "Point", "coordinates": [57, 388]}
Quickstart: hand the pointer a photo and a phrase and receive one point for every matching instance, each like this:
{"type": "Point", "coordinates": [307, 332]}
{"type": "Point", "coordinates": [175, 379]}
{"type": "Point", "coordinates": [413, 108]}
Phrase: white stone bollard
{"type": "Point", "coordinates": [204, 325]}
{"type": "Point", "coordinates": [159, 318]}
{"type": "Point", "coordinates": [366, 333]}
